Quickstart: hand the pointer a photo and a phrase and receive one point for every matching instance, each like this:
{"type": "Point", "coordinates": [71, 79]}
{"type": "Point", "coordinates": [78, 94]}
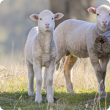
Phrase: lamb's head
{"type": "Point", "coordinates": [46, 20]}
{"type": "Point", "coordinates": [102, 16]}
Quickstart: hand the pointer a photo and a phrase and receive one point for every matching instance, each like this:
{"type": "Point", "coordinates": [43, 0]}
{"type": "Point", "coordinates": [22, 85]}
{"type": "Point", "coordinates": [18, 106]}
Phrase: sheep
{"type": "Point", "coordinates": [76, 38]}
{"type": "Point", "coordinates": [41, 50]}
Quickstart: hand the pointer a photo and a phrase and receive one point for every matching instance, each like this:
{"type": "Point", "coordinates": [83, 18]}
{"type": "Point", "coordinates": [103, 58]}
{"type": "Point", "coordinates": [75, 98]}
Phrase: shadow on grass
{"type": "Point", "coordinates": [63, 101]}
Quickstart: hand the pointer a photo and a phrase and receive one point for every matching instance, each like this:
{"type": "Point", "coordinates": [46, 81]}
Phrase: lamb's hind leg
{"type": "Point", "coordinates": [70, 61]}
{"type": "Point", "coordinates": [31, 78]}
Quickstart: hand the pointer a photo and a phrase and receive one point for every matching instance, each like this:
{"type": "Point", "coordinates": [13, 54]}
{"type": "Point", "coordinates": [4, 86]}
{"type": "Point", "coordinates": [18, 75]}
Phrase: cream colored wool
{"type": "Point", "coordinates": [41, 50]}
{"type": "Point", "coordinates": [77, 38]}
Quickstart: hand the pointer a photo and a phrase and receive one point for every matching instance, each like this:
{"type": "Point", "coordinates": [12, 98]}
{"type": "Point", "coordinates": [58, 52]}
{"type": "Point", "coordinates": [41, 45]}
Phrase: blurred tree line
{"type": "Point", "coordinates": [76, 9]}
{"type": "Point", "coordinates": [15, 22]}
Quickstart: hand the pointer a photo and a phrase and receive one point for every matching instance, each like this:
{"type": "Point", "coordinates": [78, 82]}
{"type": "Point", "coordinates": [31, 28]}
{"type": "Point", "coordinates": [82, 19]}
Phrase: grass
{"type": "Point", "coordinates": [64, 101]}
{"type": "Point", "coordinates": [14, 86]}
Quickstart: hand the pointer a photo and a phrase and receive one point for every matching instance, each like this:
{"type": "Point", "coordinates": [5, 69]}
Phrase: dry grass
{"type": "Point", "coordinates": [14, 85]}
{"type": "Point", "coordinates": [83, 77]}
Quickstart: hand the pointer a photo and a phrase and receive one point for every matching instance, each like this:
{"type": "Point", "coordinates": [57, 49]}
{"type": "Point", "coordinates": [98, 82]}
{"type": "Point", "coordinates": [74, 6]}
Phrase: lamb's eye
{"type": "Point", "coordinates": [40, 18]}
{"type": "Point", "coordinates": [52, 18]}
{"type": "Point", "coordinates": [97, 14]}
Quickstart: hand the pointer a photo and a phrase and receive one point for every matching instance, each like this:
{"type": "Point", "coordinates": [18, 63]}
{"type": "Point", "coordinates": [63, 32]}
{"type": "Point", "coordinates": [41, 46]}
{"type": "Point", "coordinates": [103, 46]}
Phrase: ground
{"type": "Point", "coordinates": [14, 86]}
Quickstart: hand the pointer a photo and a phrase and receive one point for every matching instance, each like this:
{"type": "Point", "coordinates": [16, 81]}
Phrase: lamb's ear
{"type": "Point", "coordinates": [58, 16]}
{"type": "Point", "coordinates": [92, 10]}
{"type": "Point", "coordinates": [34, 17]}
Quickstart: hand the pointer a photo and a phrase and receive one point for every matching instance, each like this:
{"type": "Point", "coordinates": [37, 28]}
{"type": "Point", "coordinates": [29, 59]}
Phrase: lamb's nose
{"type": "Point", "coordinates": [47, 25]}
{"type": "Point", "coordinates": [104, 22]}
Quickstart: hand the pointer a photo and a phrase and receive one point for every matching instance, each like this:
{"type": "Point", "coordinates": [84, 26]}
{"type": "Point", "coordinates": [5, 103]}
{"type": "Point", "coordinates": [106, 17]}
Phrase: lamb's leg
{"type": "Point", "coordinates": [58, 58]}
{"type": "Point", "coordinates": [37, 71]}
{"type": "Point", "coordinates": [57, 66]}
{"type": "Point", "coordinates": [44, 79]}
{"type": "Point", "coordinates": [99, 74]}
{"type": "Point", "coordinates": [70, 61]}
{"type": "Point", "coordinates": [103, 63]}
{"type": "Point", "coordinates": [49, 81]}
{"type": "Point", "coordinates": [31, 78]}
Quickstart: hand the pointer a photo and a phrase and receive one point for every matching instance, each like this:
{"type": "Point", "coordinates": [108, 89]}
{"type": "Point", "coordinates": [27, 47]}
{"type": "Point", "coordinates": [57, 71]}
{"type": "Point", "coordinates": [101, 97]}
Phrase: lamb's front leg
{"type": "Point", "coordinates": [103, 63]}
{"type": "Point", "coordinates": [49, 81]}
{"type": "Point", "coordinates": [99, 74]}
{"type": "Point", "coordinates": [37, 72]}
{"type": "Point", "coordinates": [44, 79]}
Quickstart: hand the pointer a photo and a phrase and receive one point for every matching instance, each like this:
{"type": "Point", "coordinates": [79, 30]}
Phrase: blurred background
{"type": "Point", "coordinates": [15, 22]}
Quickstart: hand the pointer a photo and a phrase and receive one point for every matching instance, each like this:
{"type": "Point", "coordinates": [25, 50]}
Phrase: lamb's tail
{"type": "Point", "coordinates": [60, 68]}
{"type": "Point", "coordinates": [60, 65]}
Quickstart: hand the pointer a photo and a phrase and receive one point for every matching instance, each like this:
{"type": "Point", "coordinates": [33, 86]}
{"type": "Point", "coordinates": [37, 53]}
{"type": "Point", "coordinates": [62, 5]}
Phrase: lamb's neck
{"type": "Point", "coordinates": [46, 40]}
{"type": "Point", "coordinates": [102, 30]}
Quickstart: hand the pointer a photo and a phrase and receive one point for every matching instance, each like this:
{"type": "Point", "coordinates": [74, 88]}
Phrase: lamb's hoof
{"type": "Point", "coordinates": [38, 98]}
{"type": "Point", "coordinates": [102, 93]}
{"type": "Point", "coordinates": [50, 99]}
{"type": "Point", "coordinates": [30, 92]}
{"type": "Point", "coordinates": [71, 91]}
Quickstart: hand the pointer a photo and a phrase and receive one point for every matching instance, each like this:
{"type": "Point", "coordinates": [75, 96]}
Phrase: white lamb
{"type": "Point", "coordinates": [41, 50]}
{"type": "Point", "coordinates": [76, 38]}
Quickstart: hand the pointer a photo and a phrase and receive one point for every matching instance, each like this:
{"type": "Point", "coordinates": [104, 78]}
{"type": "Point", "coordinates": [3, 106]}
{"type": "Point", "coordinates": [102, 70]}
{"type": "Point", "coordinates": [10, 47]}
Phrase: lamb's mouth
{"type": "Point", "coordinates": [104, 25]}
{"type": "Point", "coordinates": [47, 27]}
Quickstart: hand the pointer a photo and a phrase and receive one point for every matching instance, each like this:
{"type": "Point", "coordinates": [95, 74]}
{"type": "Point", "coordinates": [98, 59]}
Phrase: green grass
{"type": "Point", "coordinates": [63, 101]}
{"type": "Point", "coordinates": [14, 87]}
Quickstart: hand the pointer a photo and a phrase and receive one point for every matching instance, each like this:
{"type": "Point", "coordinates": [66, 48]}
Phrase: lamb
{"type": "Point", "coordinates": [41, 50]}
{"type": "Point", "coordinates": [76, 38]}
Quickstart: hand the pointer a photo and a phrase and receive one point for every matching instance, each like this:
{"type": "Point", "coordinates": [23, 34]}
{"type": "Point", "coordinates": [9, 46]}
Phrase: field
{"type": "Point", "coordinates": [14, 86]}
